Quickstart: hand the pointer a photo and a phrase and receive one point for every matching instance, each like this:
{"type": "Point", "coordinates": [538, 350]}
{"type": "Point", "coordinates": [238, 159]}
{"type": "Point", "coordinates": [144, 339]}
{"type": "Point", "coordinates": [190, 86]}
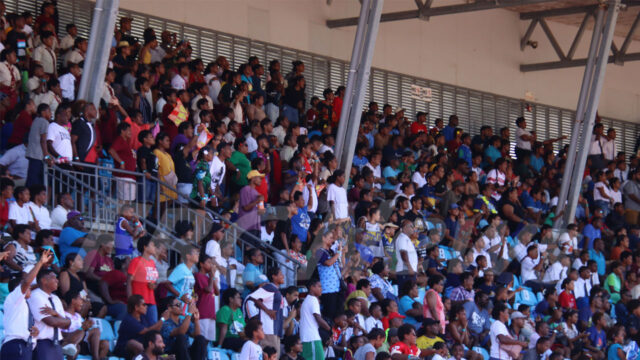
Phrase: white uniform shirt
{"type": "Point", "coordinates": [46, 57]}
{"type": "Point", "coordinates": [16, 321]}
{"type": "Point", "coordinates": [41, 214]}
{"type": "Point", "coordinates": [308, 323]}
{"type": "Point", "coordinates": [403, 243]}
{"type": "Point", "coordinates": [38, 300]}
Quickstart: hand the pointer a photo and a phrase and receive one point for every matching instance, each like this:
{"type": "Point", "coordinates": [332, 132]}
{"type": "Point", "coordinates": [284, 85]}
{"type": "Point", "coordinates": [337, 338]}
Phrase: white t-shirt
{"type": "Point", "coordinates": [58, 217]}
{"type": "Point", "coordinates": [213, 249]}
{"type": "Point", "coordinates": [403, 243]}
{"type": "Point", "coordinates": [251, 351]}
{"type": "Point", "coordinates": [525, 145]}
{"type": "Point", "coordinates": [526, 270]}
{"type": "Point", "coordinates": [596, 193]}
{"type": "Point", "coordinates": [477, 253]}
{"type": "Point", "coordinates": [314, 197]}
{"type": "Point", "coordinates": [42, 215]}
{"type": "Point", "coordinates": [372, 323]}
{"type": "Point", "coordinates": [498, 328]}
{"type": "Point", "coordinates": [496, 240]}
{"type": "Point", "coordinates": [265, 236]}
{"type": "Point", "coordinates": [338, 195]}
{"type": "Point", "coordinates": [615, 195]}
{"type": "Point", "coordinates": [308, 324]}
{"type": "Point", "coordinates": [20, 214]}
{"type": "Point", "coordinates": [178, 82]}
{"type": "Point", "coordinates": [16, 321]}
{"type": "Point", "coordinates": [555, 272]}
{"type": "Point", "coordinates": [568, 244]}
{"type": "Point", "coordinates": [61, 140]}
{"type": "Point", "coordinates": [418, 179]}
{"type": "Point", "coordinates": [377, 173]}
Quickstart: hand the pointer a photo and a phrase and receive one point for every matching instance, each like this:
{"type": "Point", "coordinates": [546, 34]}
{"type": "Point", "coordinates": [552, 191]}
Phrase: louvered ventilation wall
{"type": "Point", "coordinates": [474, 108]}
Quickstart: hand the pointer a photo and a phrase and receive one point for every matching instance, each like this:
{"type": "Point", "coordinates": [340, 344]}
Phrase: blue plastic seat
{"type": "Point", "coordinates": [526, 297]}
{"type": "Point", "coordinates": [106, 332]}
{"type": "Point", "coordinates": [481, 351]}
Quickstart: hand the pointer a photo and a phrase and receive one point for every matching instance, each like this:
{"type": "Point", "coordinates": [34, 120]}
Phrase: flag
{"type": "Point", "coordinates": [203, 138]}
{"type": "Point", "coordinates": [179, 114]}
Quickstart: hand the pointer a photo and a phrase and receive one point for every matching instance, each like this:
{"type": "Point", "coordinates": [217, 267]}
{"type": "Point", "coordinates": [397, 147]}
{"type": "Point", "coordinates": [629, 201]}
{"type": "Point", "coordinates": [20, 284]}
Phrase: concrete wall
{"type": "Point", "coordinates": [478, 50]}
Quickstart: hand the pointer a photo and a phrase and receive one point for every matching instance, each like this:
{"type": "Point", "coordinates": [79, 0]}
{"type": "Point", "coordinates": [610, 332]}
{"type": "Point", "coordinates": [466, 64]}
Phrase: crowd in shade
{"type": "Point", "coordinates": [441, 243]}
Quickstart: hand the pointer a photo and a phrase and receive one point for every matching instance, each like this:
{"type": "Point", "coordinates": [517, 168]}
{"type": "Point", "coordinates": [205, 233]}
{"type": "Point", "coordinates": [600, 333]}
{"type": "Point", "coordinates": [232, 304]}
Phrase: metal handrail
{"type": "Point", "coordinates": [235, 229]}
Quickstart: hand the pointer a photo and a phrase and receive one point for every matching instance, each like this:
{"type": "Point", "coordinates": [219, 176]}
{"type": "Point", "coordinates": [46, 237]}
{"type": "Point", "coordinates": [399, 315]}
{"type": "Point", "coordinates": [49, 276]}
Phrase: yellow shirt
{"type": "Point", "coordinates": [356, 294]}
{"type": "Point", "coordinates": [424, 342]}
{"type": "Point", "coordinates": [165, 167]}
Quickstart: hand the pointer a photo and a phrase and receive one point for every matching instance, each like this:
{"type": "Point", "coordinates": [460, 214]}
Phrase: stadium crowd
{"type": "Point", "coordinates": [442, 247]}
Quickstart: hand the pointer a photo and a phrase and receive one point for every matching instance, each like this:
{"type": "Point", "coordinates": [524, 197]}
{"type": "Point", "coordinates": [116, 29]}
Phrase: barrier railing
{"type": "Point", "coordinates": [99, 192]}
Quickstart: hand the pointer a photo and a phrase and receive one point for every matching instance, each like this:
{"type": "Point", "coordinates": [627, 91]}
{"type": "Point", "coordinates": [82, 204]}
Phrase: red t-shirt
{"type": "Point", "coordinates": [125, 152]}
{"type": "Point", "coordinates": [143, 272]}
{"type": "Point", "coordinates": [206, 300]}
{"type": "Point", "coordinates": [135, 130]}
{"type": "Point", "coordinates": [169, 126]}
{"type": "Point", "coordinates": [4, 213]}
{"type": "Point", "coordinates": [21, 128]}
{"type": "Point", "coordinates": [567, 300]}
{"type": "Point", "coordinates": [404, 349]}
{"type": "Point", "coordinates": [100, 264]}
{"type": "Point", "coordinates": [107, 127]}
{"type": "Point", "coordinates": [117, 282]}
{"type": "Point", "coordinates": [417, 127]}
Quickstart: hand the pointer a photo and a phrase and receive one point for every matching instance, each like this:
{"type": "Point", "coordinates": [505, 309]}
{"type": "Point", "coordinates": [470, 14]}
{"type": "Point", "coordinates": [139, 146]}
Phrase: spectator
{"type": "Point", "coordinates": [61, 211]}
{"type": "Point", "coordinates": [181, 281]}
{"type": "Point", "coordinates": [113, 289]}
{"type": "Point", "coordinates": [177, 331]}
{"type": "Point", "coordinates": [142, 277]}
{"type": "Point", "coordinates": [73, 237]}
{"type": "Point", "coordinates": [134, 326]}
{"type": "Point", "coordinates": [230, 321]}
{"type": "Point", "coordinates": [311, 321]}
{"type": "Point", "coordinates": [153, 346]}
{"type": "Point", "coordinates": [206, 289]}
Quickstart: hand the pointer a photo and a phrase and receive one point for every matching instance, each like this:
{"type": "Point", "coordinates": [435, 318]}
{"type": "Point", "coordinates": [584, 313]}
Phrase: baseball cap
{"type": "Point", "coordinates": [123, 44]}
{"type": "Point", "coordinates": [517, 315]}
{"type": "Point", "coordinates": [254, 173]}
{"type": "Point", "coordinates": [73, 214]}
{"type": "Point", "coordinates": [453, 206]}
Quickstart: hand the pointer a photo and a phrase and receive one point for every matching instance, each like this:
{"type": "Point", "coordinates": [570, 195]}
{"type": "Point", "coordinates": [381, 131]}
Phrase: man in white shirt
{"type": "Point", "coordinates": [38, 209]}
{"type": "Point", "coordinates": [68, 82]}
{"type": "Point", "coordinates": [310, 322]}
{"type": "Point", "coordinates": [407, 265]}
{"type": "Point", "coordinates": [568, 241]}
{"type": "Point", "coordinates": [49, 317]}
{"type": "Point", "coordinates": [58, 137]}
{"type": "Point", "coordinates": [60, 212]}
{"type": "Point", "coordinates": [529, 266]}
{"type": "Point", "coordinates": [337, 197]}
{"type": "Point", "coordinates": [374, 165]}
{"type": "Point", "coordinates": [77, 54]}
{"type": "Point", "coordinates": [557, 271]}
{"type": "Point", "coordinates": [583, 285]}
{"type": "Point", "coordinates": [45, 54]}
{"type": "Point", "coordinates": [500, 335]}
{"type": "Point", "coordinates": [419, 176]}
{"type": "Point", "coordinates": [18, 322]}
{"type": "Point", "coordinates": [66, 43]}
{"type": "Point", "coordinates": [609, 147]}
{"type": "Point", "coordinates": [179, 81]}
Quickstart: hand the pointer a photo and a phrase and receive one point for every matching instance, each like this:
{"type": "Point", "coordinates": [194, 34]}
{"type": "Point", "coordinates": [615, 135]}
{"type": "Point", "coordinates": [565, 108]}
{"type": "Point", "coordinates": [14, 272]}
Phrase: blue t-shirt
{"type": "Point", "coordinates": [598, 257]}
{"type": "Point", "coordinates": [300, 223]}
{"type": "Point", "coordinates": [598, 338]}
{"type": "Point", "coordinates": [182, 279]}
{"type": "Point", "coordinates": [167, 328]}
{"type": "Point", "coordinates": [492, 153]}
{"type": "Point", "coordinates": [359, 162]}
{"type": "Point", "coordinates": [123, 240]}
{"type": "Point", "coordinates": [448, 132]}
{"type": "Point", "coordinates": [479, 320]}
{"type": "Point", "coordinates": [329, 275]}
{"type": "Point", "coordinates": [592, 233]}
{"type": "Point", "coordinates": [612, 354]}
{"type": "Point", "coordinates": [67, 237]}
{"type": "Point", "coordinates": [536, 163]}
{"type": "Point", "coordinates": [130, 329]}
{"type": "Point", "coordinates": [464, 152]}
{"type": "Point", "coordinates": [253, 274]}
{"type": "Point", "coordinates": [452, 226]}
{"type": "Point", "coordinates": [387, 173]}
{"type": "Point", "coordinates": [405, 304]}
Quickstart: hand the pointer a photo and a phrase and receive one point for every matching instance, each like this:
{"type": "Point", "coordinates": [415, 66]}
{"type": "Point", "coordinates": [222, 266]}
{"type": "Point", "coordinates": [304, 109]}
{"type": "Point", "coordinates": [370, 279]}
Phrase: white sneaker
{"type": "Point", "coordinates": [70, 350]}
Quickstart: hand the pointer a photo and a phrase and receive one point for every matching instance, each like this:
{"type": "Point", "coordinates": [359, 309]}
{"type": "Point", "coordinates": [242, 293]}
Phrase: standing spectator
{"type": "Point", "coordinates": [251, 204]}
{"type": "Point", "coordinates": [181, 280]}
{"type": "Point", "coordinates": [206, 288]}
{"type": "Point", "coordinates": [166, 173]}
{"type": "Point", "coordinates": [310, 322]}
{"type": "Point", "coordinates": [18, 330]}
{"type": "Point", "coordinates": [142, 278]}
{"type": "Point", "coordinates": [48, 314]}
{"type": "Point", "coordinates": [407, 265]}
{"type": "Point", "coordinates": [22, 123]}
{"type": "Point", "coordinates": [337, 196]}
{"type": "Point", "coordinates": [122, 154]}
{"type": "Point", "coordinates": [113, 289]}
{"type": "Point", "coordinates": [330, 273]}
{"type": "Point", "coordinates": [84, 137]}
{"type": "Point", "coordinates": [37, 151]}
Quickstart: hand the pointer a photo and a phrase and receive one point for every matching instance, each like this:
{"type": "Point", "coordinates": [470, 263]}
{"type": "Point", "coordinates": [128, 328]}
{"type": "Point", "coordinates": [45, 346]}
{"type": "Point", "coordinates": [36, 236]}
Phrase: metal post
{"type": "Point", "coordinates": [594, 99]}
{"type": "Point", "coordinates": [582, 101]}
{"type": "Point", "coordinates": [355, 108]}
{"type": "Point", "coordinates": [95, 63]}
{"type": "Point", "coordinates": [353, 68]}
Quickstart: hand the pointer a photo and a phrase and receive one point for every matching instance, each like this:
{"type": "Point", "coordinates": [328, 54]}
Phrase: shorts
{"type": "Point", "coordinates": [313, 350]}
{"type": "Point", "coordinates": [208, 329]}
{"type": "Point", "coordinates": [126, 189]}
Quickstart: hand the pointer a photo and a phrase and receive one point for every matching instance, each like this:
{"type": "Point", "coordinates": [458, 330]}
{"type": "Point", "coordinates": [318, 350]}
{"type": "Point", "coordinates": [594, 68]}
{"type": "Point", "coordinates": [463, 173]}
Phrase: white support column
{"type": "Point", "coordinates": [613, 8]}
{"type": "Point", "coordinates": [358, 78]}
{"type": "Point", "coordinates": [97, 59]}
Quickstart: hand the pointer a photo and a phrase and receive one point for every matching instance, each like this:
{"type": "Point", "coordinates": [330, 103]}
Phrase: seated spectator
{"type": "Point", "coordinates": [177, 331]}
{"type": "Point", "coordinates": [20, 254]}
{"type": "Point", "coordinates": [230, 321]}
{"type": "Point", "coordinates": [142, 277]}
{"type": "Point", "coordinates": [37, 207]}
{"type": "Point", "coordinates": [19, 210]}
{"type": "Point", "coordinates": [60, 212]}
{"type": "Point", "coordinates": [113, 289]}
{"type": "Point", "coordinates": [98, 262]}
{"type": "Point", "coordinates": [73, 238]}
{"type": "Point", "coordinates": [81, 328]}
{"type": "Point", "coordinates": [134, 326]}
{"type": "Point", "coordinates": [70, 281]}
{"type": "Point", "coordinates": [153, 346]}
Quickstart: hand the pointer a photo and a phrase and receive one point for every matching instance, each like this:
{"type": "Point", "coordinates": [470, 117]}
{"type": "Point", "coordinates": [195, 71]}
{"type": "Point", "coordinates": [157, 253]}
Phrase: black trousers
{"type": "Point", "coordinates": [331, 304]}
{"type": "Point", "coordinates": [233, 344]}
{"type": "Point", "coordinates": [48, 350]}
{"type": "Point", "coordinates": [15, 350]}
{"type": "Point", "coordinates": [35, 172]}
{"type": "Point", "coordinates": [197, 350]}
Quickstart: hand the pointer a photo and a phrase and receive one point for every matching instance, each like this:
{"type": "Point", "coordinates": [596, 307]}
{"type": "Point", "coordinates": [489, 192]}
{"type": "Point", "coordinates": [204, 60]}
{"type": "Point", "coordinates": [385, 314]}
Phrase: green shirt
{"type": "Point", "coordinates": [203, 174]}
{"type": "Point", "coordinates": [240, 161]}
{"type": "Point", "coordinates": [233, 319]}
{"type": "Point", "coordinates": [613, 284]}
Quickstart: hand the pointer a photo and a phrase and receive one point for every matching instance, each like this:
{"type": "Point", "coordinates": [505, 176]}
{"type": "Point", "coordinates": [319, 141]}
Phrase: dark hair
{"type": "Point", "coordinates": [227, 295]}
{"type": "Point", "coordinates": [143, 242]}
{"type": "Point", "coordinates": [251, 327]}
{"type": "Point", "coordinates": [404, 330]}
{"type": "Point", "coordinates": [18, 190]}
{"type": "Point", "coordinates": [43, 273]}
{"type": "Point", "coordinates": [70, 295]}
{"type": "Point", "coordinates": [272, 272]}
{"type": "Point", "coordinates": [121, 127]}
{"type": "Point", "coordinates": [18, 230]}
{"type": "Point", "coordinates": [406, 287]}
{"type": "Point", "coordinates": [434, 279]}
{"type": "Point", "coordinates": [41, 235]}
{"type": "Point", "coordinates": [150, 337]}
{"type": "Point", "coordinates": [497, 309]}
{"type": "Point", "coordinates": [133, 301]}
{"type": "Point", "coordinates": [269, 350]}
{"type": "Point", "coordinates": [290, 341]}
